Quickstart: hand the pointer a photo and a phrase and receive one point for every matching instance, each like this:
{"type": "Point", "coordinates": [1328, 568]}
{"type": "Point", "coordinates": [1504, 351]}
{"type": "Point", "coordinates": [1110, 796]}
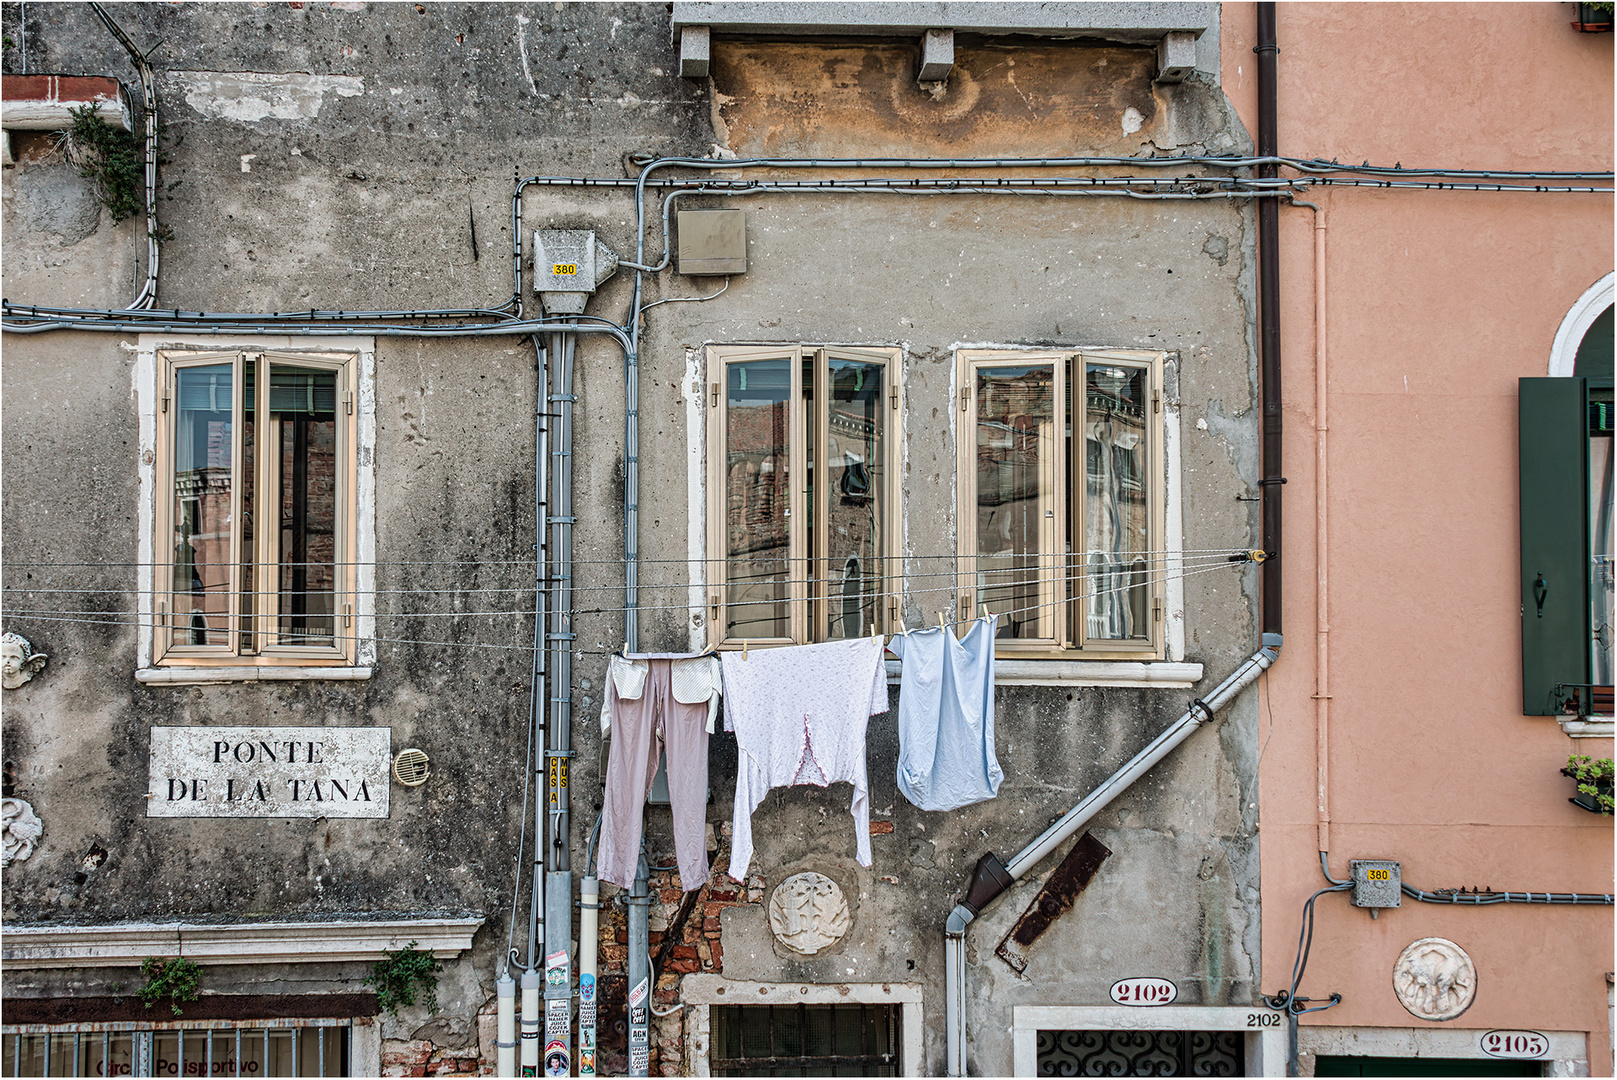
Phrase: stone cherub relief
{"type": "Point", "coordinates": [18, 661]}
{"type": "Point", "coordinates": [20, 830]}
{"type": "Point", "coordinates": [1434, 979]}
{"type": "Point", "coordinates": [808, 913]}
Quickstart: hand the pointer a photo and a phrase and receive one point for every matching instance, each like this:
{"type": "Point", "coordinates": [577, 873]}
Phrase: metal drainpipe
{"type": "Point", "coordinates": [559, 881]}
{"type": "Point", "coordinates": [541, 483]}
{"type": "Point", "coordinates": [993, 877]}
{"type": "Point", "coordinates": [640, 968]}
{"type": "Point", "coordinates": [1269, 321]}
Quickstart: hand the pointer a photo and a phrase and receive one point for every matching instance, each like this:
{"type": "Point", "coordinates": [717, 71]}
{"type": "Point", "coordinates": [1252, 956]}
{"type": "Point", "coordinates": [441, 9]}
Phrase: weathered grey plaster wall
{"type": "Point", "coordinates": [354, 156]}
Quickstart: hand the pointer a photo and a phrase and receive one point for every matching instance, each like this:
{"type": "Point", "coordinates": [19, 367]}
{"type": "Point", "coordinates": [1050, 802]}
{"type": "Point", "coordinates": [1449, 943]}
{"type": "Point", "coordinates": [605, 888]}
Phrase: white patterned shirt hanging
{"type": "Point", "coordinates": [799, 715]}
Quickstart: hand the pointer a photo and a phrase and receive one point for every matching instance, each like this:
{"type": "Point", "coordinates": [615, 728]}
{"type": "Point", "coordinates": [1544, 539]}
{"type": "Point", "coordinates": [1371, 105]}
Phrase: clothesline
{"type": "Point", "coordinates": [226, 588]}
{"type": "Point", "coordinates": [126, 619]}
{"type": "Point", "coordinates": [864, 596]}
{"type": "Point", "coordinates": [618, 561]}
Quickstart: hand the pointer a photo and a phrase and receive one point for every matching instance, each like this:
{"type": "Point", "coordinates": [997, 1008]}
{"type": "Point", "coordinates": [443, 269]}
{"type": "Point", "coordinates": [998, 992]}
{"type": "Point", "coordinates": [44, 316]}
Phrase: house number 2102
{"type": "Point", "coordinates": [1144, 991]}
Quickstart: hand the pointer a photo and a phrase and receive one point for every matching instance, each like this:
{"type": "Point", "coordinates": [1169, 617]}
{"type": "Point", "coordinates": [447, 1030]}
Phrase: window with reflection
{"type": "Point", "coordinates": [256, 514]}
{"type": "Point", "coordinates": [802, 492]}
{"type": "Point", "coordinates": [1060, 469]}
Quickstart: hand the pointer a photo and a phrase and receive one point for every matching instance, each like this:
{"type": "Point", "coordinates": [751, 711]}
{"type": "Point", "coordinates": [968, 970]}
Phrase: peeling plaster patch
{"type": "Point", "coordinates": [245, 158]}
{"type": "Point", "coordinates": [522, 48]}
{"type": "Point", "coordinates": [1132, 120]}
{"type": "Point", "coordinates": [348, 5]}
{"type": "Point", "coordinates": [253, 95]}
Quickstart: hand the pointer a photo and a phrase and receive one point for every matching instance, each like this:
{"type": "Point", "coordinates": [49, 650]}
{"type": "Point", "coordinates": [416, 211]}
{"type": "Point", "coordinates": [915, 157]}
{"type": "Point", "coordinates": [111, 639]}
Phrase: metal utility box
{"type": "Point", "coordinates": [712, 242]}
{"type": "Point", "coordinates": [567, 266]}
{"type": "Point", "coordinates": [1377, 883]}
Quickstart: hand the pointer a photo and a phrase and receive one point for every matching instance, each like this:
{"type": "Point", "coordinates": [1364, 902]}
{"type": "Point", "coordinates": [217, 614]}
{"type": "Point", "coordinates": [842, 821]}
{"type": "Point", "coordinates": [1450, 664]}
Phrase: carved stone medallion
{"type": "Point", "coordinates": [20, 829]}
{"type": "Point", "coordinates": [808, 913]}
{"type": "Point", "coordinates": [1435, 979]}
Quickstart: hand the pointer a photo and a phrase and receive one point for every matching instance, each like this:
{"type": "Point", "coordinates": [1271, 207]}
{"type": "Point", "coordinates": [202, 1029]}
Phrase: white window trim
{"type": "Point", "coordinates": [701, 992]}
{"type": "Point", "coordinates": [1265, 1045]}
{"type": "Point", "coordinates": [1596, 299]}
{"type": "Point", "coordinates": [1568, 1056]}
{"type": "Point", "coordinates": [147, 391]}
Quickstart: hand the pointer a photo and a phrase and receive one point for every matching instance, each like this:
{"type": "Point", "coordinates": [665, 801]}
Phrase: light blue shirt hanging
{"type": "Point", "coordinates": [946, 717]}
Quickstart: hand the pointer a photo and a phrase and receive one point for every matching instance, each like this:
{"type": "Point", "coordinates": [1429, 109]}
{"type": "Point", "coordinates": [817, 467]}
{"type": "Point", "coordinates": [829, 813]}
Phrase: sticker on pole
{"type": "Point", "coordinates": [1515, 1044]}
{"type": "Point", "coordinates": [558, 1018]}
{"type": "Point", "coordinates": [556, 968]}
{"type": "Point", "coordinates": [556, 1059]}
{"type": "Point", "coordinates": [586, 1061]}
{"type": "Point", "coordinates": [1144, 991]}
{"type": "Point", "coordinates": [637, 1008]}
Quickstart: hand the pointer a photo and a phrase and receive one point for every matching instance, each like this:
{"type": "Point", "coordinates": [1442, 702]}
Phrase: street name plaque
{"type": "Point", "coordinates": [274, 772]}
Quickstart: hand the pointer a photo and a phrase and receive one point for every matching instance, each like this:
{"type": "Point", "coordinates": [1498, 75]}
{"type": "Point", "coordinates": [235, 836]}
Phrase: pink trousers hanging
{"type": "Point", "coordinates": [640, 727]}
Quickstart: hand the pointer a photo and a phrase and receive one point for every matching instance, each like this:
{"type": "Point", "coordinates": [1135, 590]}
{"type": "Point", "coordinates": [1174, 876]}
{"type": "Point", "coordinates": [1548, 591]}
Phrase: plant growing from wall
{"type": "Point", "coordinates": [111, 157]}
{"type": "Point", "coordinates": [1594, 779]}
{"type": "Point", "coordinates": [174, 977]}
{"type": "Point", "coordinates": [400, 976]}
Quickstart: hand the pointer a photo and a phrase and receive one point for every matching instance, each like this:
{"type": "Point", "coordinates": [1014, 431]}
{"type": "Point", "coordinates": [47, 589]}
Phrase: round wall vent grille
{"type": "Point", "coordinates": [410, 767]}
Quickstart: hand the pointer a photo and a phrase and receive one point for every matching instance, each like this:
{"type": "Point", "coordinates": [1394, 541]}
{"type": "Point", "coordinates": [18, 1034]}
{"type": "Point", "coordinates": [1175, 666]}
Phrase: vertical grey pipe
{"type": "Point", "coordinates": [536, 702]}
{"type": "Point", "coordinates": [559, 882]}
{"type": "Point", "coordinates": [631, 468]}
{"type": "Point", "coordinates": [1269, 320]}
{"type": "Point", "coordinates": [640, 968]}
{"type": "Point", "coordinates": [531, 983]}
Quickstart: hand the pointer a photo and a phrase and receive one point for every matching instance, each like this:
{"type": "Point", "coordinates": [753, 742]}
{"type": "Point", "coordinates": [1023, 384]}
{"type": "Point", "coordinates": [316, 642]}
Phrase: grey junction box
{"type": "Point", "coordinates": [712, 242]}
{"type": "Point", "coordinates": [1377, 883]}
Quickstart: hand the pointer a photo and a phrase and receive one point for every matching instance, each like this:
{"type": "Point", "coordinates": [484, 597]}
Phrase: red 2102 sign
{"type": "Point", "coordinates": [1515, 1044]}
{"type": "Point", "coordinates": [1144, 991]}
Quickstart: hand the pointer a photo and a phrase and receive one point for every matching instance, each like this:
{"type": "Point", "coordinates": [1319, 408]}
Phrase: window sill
{"type": "Point", "coordinates": [1589, 729]}
{"type": "Point", "coordinates": [1120, 673]}
{"type": "Point", "coordinates": [196, 676]}
{"type": "Point", "coordinates": [120, 944]}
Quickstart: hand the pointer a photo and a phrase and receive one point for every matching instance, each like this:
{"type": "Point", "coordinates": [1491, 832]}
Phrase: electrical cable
{"type": "Point", "coordinates": [1288, 999]}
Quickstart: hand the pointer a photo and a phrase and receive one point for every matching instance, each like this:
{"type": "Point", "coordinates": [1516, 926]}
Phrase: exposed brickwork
{"type": "Point", "coordinates": [694, 945]}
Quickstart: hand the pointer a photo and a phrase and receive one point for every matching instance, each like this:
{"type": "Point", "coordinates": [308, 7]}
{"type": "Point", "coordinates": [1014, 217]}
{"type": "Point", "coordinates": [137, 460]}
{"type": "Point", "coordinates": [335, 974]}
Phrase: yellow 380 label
{"type": "Point", "coordinates": [560, 269]}
{"type": "Point", "coordinates": [1378, 875]}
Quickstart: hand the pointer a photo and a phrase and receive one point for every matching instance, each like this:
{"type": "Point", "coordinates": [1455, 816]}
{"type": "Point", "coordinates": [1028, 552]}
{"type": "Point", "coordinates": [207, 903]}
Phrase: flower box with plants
{"type": "Point", "coordinates": [1594, 778]}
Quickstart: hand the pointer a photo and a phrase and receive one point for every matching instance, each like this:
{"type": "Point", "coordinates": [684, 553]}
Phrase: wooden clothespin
{"type": "Point", "coordinates": [941, 616]}
{"type": "Point", "coordinates": [985, 612]}
{"type": "Point", "coordinates": [625, 647]}
{"type": "Point", "coordinates": [744, 650]}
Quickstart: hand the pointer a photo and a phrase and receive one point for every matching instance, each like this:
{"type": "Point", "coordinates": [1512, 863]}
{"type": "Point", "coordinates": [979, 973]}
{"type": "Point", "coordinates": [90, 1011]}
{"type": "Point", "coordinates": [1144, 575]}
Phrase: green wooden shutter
{"type": "Point", "coordinates": [1555, 539]}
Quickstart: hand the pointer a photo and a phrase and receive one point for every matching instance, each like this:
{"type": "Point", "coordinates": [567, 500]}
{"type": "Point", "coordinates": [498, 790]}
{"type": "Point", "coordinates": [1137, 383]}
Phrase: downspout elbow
{"type": "Point", "coordinates": [1270, 652]}
{"type": "Point", "coordinates": [960, 918]}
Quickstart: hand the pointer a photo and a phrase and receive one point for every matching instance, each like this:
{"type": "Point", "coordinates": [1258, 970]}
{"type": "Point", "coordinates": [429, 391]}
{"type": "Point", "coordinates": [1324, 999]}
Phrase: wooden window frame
{"type": "Point", "coordinates": [808, 620]}
{"type": "Point", "coordinates": [265, 554]}
{"type": "Point", "coordinates": [1068, 635]}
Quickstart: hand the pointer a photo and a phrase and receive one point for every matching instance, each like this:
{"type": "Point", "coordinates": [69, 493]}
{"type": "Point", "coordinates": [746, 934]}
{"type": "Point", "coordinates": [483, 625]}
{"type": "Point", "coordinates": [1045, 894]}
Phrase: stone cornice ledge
{"type": "Point", "coordinates": [124, 944]}
{"type": "Point", "coordinates": [1124, 673]}
{"type": "Point", "coordinates": [1588, 729]}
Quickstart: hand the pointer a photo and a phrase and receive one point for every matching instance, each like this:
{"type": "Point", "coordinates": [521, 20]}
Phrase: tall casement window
{"type": "Point", "coordinates": [1060, 496]}
{"type": "Point", "coordinates": [802, 493]}
{"type": "Point", "coordinates": [255, 518]}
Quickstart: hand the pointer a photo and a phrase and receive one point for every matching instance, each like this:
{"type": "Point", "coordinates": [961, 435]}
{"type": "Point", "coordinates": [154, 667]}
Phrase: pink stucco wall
{"type": "Point", "coordinates": [1437, 303]}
